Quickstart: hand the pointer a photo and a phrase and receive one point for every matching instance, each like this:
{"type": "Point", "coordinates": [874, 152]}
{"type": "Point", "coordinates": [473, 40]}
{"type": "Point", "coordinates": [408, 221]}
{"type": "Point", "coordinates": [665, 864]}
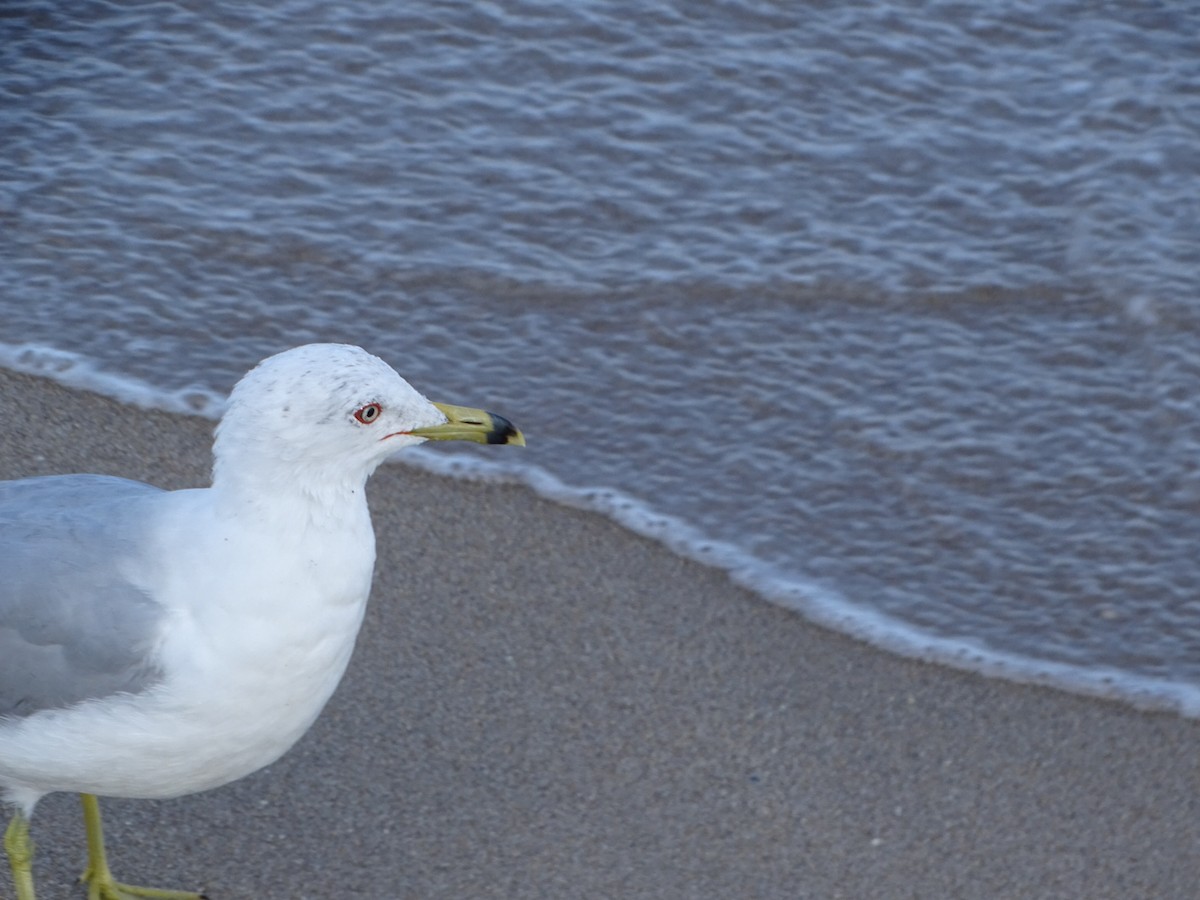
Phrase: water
{"type": "Point", "coordinates": [888, 309]}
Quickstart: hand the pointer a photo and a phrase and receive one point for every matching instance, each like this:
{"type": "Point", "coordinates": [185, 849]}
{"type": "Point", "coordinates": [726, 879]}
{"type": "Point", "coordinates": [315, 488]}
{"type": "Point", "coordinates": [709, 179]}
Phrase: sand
{"type": "Point", "coordinates": [543, 705]}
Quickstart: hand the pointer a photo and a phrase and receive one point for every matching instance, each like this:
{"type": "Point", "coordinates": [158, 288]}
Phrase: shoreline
{"type": "Point", "coordinates": [543, 704]}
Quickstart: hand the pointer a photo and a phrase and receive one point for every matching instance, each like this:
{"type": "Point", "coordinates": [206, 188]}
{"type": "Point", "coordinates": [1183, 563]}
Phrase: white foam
{"type": "Point", "coordinates": [75, 371]}
{"type": "Point", "coordinates": [815, 602]}
{"type": "Point", "coordinates": [824, 606]}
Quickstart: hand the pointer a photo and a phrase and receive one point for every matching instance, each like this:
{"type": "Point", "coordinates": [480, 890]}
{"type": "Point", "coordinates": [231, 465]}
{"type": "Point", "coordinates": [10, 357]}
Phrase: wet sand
{"type": "Point", "coordinates": [543, 705]}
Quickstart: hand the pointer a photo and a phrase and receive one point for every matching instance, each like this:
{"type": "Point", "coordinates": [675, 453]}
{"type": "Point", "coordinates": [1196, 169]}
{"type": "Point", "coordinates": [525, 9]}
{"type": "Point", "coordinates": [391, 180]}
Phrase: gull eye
{"type": "Point", "coordinates": [369, 413]}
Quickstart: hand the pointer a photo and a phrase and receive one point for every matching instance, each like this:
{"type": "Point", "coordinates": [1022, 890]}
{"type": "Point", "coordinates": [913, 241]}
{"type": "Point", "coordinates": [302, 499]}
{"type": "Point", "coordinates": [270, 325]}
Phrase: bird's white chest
{"type": "Point", "coordinates": [253, 649]}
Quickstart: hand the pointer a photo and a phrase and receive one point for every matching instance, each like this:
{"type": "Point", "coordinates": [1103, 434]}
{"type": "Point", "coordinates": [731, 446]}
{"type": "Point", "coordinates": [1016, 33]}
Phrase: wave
{"type": "Point", "coordinates": [75, 371]}
{"type": "Point", "coordinates": [823, 605]}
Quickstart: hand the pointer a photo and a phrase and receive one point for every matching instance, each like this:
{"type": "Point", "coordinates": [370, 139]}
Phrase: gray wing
{"type": "Point", "coordinates": [72, 626]}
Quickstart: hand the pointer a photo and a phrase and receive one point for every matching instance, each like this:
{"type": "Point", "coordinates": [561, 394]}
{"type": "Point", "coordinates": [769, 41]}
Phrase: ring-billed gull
{"type": "Point", "coordinates": [158, 643]}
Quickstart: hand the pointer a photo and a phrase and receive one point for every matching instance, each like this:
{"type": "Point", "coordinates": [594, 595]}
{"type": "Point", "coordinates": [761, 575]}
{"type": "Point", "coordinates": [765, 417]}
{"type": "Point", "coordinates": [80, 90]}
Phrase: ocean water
{"type": "Point", "coordinates": [891, 310]}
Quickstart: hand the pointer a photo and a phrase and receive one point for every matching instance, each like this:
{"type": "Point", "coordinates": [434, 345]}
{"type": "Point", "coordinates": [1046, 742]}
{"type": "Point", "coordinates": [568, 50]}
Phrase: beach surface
{"type": "Point", "coordinates": [544, 705]}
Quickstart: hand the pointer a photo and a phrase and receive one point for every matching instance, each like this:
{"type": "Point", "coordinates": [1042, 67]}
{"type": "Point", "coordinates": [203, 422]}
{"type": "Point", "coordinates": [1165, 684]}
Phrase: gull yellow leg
{"type": "Point", "coordinates": [98, 877]}
{"type": "Point", "coordinates": [19, 848]}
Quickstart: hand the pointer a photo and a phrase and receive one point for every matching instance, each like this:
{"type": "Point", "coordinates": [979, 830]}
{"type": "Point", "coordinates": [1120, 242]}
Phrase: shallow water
{"type": "Point", "coordinates": [890, 310]}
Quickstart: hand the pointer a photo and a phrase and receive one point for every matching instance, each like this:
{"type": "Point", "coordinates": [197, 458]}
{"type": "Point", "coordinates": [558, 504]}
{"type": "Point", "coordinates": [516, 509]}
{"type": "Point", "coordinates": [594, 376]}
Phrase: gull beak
{"type": "Point", "coordinates": [466, 424]}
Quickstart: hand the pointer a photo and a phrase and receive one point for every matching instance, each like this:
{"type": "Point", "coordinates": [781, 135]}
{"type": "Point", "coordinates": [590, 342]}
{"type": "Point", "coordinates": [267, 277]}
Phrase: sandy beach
{"type": "Point", "coordinates": [543, 705]}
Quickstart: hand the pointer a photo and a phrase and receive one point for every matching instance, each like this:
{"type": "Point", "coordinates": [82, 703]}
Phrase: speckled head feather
{"type": "Point", "coordinates": [293, 416]}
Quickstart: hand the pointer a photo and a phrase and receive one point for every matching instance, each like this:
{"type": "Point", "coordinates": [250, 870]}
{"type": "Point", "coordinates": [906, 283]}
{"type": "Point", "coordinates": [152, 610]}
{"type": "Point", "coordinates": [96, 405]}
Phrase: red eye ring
{"type": "Point", "coordinates": [369, 413]}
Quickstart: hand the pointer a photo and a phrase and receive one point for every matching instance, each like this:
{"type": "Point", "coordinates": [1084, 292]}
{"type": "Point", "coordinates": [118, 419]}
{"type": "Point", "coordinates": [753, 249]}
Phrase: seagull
{"type": "Point", "coordinates": [158, 643]}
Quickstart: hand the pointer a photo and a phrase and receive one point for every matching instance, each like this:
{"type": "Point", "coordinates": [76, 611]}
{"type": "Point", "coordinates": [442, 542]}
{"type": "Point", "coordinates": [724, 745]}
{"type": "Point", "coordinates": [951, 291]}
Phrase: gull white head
{"type": "Point", "coordinates": [328, 414]}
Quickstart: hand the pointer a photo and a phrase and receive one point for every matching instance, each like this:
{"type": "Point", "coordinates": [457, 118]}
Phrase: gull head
{"type": "Point", "coordinates": [332, 413]}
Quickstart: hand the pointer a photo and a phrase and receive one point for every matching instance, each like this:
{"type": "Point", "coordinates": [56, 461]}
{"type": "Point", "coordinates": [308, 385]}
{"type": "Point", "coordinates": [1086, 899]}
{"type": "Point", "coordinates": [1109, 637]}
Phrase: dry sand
{"type": "Point", "coordinates": [542, 705]}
